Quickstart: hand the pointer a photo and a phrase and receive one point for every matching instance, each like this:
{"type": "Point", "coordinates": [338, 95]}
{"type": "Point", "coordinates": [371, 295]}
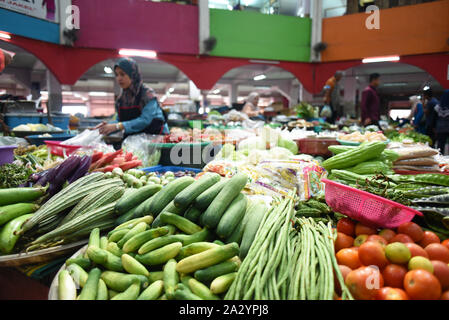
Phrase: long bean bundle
{"type": "Point", "coordinates": [289, 259]}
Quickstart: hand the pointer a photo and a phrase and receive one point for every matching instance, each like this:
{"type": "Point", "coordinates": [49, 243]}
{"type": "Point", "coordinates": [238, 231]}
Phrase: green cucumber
{"type": "Point", "coordinates": [66, 286]}
{"type": "Point", "coordinates": [179, 222]}
{"type": "Point", "coordinates": [222, 283]}
{"type": "Point", "coordinates": [135, 242]}
{"type": "Point", "coordinates": [112, 262]}
{"type": "Point", "coordinates": [205, 199]}
{"type": "Point", "coordinates": [256, 214]}
{"type": "Point", "coordinates": [201, 290]}
{"type": "Point", "coordinates": [119, 282]}
{"type": "Point", "coordinates": [140, 227]}
{"type": "Point", "coordinates": [133, 266]}
{"type": "Point", "coordinates": [158, 243]}
{"type": "Point", "coordinates": [102, 291]}
{"type": "Point", "coordinates": [203, 235]}
{"type": "Point", "coordinates": [78, 274]}
{"type": "Point", "coordinates": [94, 238]}
{"type": "Point", "coordinates": [195, 248]}
{"type": "Point", "coordinates": [10, 233]}
{"type": "Point", "coordinates": [113, 248]}
{"type": "Point", "coordinates": [156, 275]}
{"type": "Point", "coordinates": [89, 291]}
{"type": "Point", "coordinates": [193, 214]}
{"type": "Point", "coordinates": [103, 242]}
{"type": "Point", "coordinates": [231, 190]}
{"type": "Point", "coordinates": [168, 193]}
{"type": "Point", "coordinates": [81, 261]}
{"type": "Point", "coordinates": [131, 201]}
{"type": "Point", "coordinates": [153, 292]}
{"type": "Point", "coordinates": [232, 216]}
{"type": "Point", "coordinates": [132, 293]}
{"type": "Point", "coordinates": [189, 194]}
{"type": "Point", "coordinates": [133, 222]}
{"type": "Point", "coordinates": [171, 278]}
{"type": "Point", "coordinates": [209, 274]}
{"type": "Point", "coordinates": [117, 235]}
{"type": "Point", "coordinates": [161, 255]}
{"type": "Point", "coordinates": [183, 293]}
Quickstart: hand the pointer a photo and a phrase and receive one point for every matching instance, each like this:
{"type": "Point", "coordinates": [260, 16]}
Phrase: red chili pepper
{"type": "Point", "coordinates": [97, 156]}
{"type": "Point", "coordinates": [106, 159]}
{"type": "Point", "coordinates": [118, 160]}
{"type": "Point", "coordinates": [128, 156]}
{"type": "Point", "coordinates": [134, 158]}
{"type": "Point", "coordinates": [130, 165]}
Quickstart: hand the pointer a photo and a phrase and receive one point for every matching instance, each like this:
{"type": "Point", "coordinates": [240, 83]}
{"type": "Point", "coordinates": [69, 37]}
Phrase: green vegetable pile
{"type": "Point", "coordinates": [412, 135]}
{"type": "Point", "coordinates": [12, 175]}
{"type": "Point", "coordinates": [305, 111]}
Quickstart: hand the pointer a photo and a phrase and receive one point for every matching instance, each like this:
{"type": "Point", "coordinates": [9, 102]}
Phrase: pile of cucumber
{"type": "Point", "coordinates": [137, 262]}
{"type": "Point", "coordinates": [135, 178]}
{"type": "Point", "coordinates": [16, 206]}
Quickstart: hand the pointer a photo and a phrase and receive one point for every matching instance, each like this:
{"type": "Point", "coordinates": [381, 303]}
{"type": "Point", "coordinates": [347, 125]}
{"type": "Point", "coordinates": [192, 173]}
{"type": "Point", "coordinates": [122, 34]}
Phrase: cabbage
{"type": "Point", "coordinates": [226, 152]}
{"type": "Point", "coordinates": [251, 144]}
{"type": "Point", "coordinates": [255, 156]}
{"type": "Point", "coordinates": [288, 144]}
{"type": "Point", "coordinates": [280, 153]}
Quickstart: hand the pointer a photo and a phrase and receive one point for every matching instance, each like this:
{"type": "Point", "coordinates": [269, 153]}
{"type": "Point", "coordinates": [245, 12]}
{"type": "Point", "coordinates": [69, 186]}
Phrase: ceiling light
{"type": "Point", "coordinates": [216, 91]}
{"type": "Point", "coordinates": [381, 59]}
{"type": "Point", "coordinates": [4, 35]}
{"type": "Point", "coordinates": [138, 53]}
{"type": "Point", "coordinates": [260, 77]}
{"type": "Point", "coordinates": [426, 88]}
{"type": "Point", "coordinates": [98, 94]}
{"type": "Point", "coordinates": [67, 93]}
{"type": "Point", "coordinates": [108, 70]}
{"type": "Point", "coordinates": [171, 89]}
{"type": "Point", "coordinates": [395, 84]}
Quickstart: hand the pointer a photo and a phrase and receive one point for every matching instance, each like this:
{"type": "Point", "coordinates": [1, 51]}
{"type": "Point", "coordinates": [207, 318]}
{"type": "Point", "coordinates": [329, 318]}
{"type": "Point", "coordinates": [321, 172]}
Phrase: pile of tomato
{"type": "Point", "coordinates": [403, 264]}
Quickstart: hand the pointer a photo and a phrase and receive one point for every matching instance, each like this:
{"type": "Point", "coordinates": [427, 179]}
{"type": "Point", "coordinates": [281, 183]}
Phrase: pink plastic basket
{"type": "Point", "coordinates": [58, 149]}
{"type": "Point", "coordinates": [366, 207]}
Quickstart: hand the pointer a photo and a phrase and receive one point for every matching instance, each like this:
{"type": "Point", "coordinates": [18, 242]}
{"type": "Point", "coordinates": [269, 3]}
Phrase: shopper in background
{"type": "Point", "coordinates": [332, 94]}
{"type": "Point", "coordinates": [251, 107]}
{"type": "Point", "coordinates": [417, 117]}
{"type": "Point", "coordinates": [442, 127]}
{"type": "Point", "coordinates": [370, 105]}
{"type": "Point", "coordinates": [5, 59]}
{"type": "Point", "coordinates": [430, 103]}
{"type": "Point", "coordinates": [138, 110]}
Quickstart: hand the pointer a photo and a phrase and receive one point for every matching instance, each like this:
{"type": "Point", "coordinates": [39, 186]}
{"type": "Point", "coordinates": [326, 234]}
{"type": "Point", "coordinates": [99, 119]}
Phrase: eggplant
{"type": "Point", "coordinates": [82, 169]}
{"type": "Point", "coordinates": [64, 171]}
{"type": "Point", "coordinates": [48, 176]}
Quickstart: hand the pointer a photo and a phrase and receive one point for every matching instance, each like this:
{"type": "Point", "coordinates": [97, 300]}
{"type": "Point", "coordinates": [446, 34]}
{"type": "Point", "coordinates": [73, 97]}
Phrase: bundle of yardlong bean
{"type": "Point", "coordinates": [286, 263]}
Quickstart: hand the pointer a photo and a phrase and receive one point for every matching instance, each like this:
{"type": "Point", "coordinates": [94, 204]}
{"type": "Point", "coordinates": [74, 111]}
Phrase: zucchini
{"type": "Point", "coordinates": [132, 293]}
{"type": "Point", "coordinates": [10, 233]}
{"type": "Point", "coordinates": [134, 199]}
{"type": "Point", "coordinates": [161, 255]}
{"type": "Point", "coordinates": [193, 214]}
{"type": "Point", "coordinates": [153, 292]}
{"type": "Point", "coordinates": [189, 194]}
{"type": "Point", "coordinates": [231, 190]}
{"type": "Point", "coordinates": [66, 286]}
{"type": "Point", "coordinates": [135, 242]}
{"type": "Point", "coordinates": [256, 215]}
{"type": "Point", "coordinates": [232, 216]}
{"type": "Point", "coordinates": [9, 212]}
{"type": "Point", "coordinates": [133, 266]}
{"type": "Point", "coordinates": [180, 222]}
{"type": "Point", "coordinates": [171, 278]}
{"type": "Point", "coordinates": [168, 193]}
{"type": "Point", "coordinates": [207, 258]}
{"type": "Point", "coordinates": [208, 274]}
{"type": "Point", "coordinates": [89, 291]}
{"type": "Point", "coordinates": [222, 283]}
{"type": "Point", "coordinates": [205, 199]}
{"type": "Point", "coordinates": [119, 282]}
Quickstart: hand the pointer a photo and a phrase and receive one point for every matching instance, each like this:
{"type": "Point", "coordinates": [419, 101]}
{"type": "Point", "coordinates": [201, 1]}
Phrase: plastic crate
{"type": "Point", "coordinates": [57, 149]}
{"type": "Point", "coordinates": [58, 121]}
{"type": "Point", "coordinates": [316, 147]}
{"type": "Point", "coordinates": [6, 154]}
{"type": "Point", "coordinates": [366, 207]}
{"type": "Point", "coordinates": [38, 140]}
{"type": "Point", "coordinates": [16, 119]}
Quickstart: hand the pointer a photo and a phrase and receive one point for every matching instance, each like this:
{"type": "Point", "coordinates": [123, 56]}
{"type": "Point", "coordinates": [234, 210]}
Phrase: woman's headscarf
{"type": "Point", "coordinates": [443, 107]}
{"type": "Point", "coordinates": [137, 94]}
{"type": "Point", "coordinates": [252, 98]}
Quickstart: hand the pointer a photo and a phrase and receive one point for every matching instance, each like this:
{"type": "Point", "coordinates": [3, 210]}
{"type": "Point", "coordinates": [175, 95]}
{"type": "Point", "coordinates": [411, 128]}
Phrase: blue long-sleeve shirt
{"type": "Point", "coordinates": [150, 111]}
{"type": "Point", "coordinates": [421, 127]}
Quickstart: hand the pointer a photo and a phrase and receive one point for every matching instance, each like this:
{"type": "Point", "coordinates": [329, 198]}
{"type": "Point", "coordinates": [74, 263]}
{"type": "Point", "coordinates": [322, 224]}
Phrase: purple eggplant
{"type": "Point", "coordinates": [47, 176]}
{"type": "Point", "coordinates": [82, 170]}
{"type": "Point", "coordinates": [64, 171]}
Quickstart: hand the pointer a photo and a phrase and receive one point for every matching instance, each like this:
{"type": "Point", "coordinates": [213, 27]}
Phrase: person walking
{"type": "Point", "coordinates": [417, 117]}
{"type": "Point", "coordinates": [370, 105]}
{"type": "Point", "coordinates": [332, 94]}
{"type": "Point", "coordinates": [442, 123]}
{"type": "Point", "coordinates": [430, 102]}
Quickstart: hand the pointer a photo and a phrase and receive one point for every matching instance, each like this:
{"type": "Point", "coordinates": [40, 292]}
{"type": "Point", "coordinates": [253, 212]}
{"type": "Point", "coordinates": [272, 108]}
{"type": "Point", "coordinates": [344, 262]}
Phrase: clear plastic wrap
{"type": "Point", "coordinates": [145, 147]}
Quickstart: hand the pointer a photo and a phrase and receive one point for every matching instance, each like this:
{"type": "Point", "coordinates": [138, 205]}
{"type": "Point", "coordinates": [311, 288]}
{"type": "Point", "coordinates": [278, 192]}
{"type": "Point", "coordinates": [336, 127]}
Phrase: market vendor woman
{"type": "Point", "coordinates": [138, 110]}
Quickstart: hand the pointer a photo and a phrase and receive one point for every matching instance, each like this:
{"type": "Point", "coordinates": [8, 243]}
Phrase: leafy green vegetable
{"type": "Point", "coordinates": [12, 176]}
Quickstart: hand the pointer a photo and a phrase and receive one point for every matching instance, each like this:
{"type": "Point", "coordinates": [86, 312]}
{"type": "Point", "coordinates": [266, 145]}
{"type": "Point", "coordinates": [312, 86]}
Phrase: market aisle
{"type": "Point", "coordinates": [16, 286]}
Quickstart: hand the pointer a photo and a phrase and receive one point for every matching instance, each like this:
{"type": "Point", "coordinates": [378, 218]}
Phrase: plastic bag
{"type": "Point", "coordinates": [86, 138]}
{"type": "Point", "coordinates": [326, 112]}
{"type": "Point", "coordinates": [145, 147]}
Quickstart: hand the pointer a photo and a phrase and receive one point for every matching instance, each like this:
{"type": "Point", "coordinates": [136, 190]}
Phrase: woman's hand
{"type": "Point", "coordinates": [107, 129]}
{"type": "Point", "coordinates": [98, 126]}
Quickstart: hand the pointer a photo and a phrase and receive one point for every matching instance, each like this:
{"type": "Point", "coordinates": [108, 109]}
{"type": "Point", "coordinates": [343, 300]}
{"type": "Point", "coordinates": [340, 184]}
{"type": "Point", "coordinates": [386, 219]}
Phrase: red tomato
{"type": "Point", "coordinates": [422, 285]}
{"type": "Point", "coordinates": [437, 251]}
{"type": "Point", "coordinates": [445, 296]}
{"type": "Point", "coordinates": [445, 243]}
{"type": "Point", "coordinates": [349, 257]}
{"type": "Point", "coordinates": [372, 253]}
{"type": "Point", "coordinates": [378, 239]}
{"type": "Point", "coordinates": [387, 293]}
{"type": "Point", "coordinates": [441, 271]}
{"type": "Point", "coordinates": [344, 272]}
{"type": "Point", "coordinates": [400, 237]}
{"type": "Point", "coordinates": [364, 283]}
{"type": "Point", "coordinates": [429, 237]}
{"type": "Point", "coordinates": [343, 241]}
{"type": "Point", "coordinates": [346, 226]}
{"type": "Point", "coordinates": [413, 230]}
{"type": "Point", "coordinates": [387, 234]}
{"type": "Point", "coordinates": [393, 275]}
{"type": "Point", "coordinates": [362, 229]}
{"type": "Point", "coordinates": [416, 250]}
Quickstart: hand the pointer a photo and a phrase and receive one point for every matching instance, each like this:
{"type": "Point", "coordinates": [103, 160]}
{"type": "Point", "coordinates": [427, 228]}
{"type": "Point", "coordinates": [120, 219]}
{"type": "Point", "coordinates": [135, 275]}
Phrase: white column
{"type": "Point", "coordinates": [204, 24]}
{"type": "Point", "coordinates": [317, 20]}
{"type": "Point", "coordinates": [63, 5]}
{"type": "Point", "coordinates": [233, 93]}
{"type": "Point", "coordinates": [54, 93]}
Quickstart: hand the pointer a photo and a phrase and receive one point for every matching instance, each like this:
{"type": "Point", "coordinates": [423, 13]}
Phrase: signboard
{"type": "Point", "coordinates": [42, 9]}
